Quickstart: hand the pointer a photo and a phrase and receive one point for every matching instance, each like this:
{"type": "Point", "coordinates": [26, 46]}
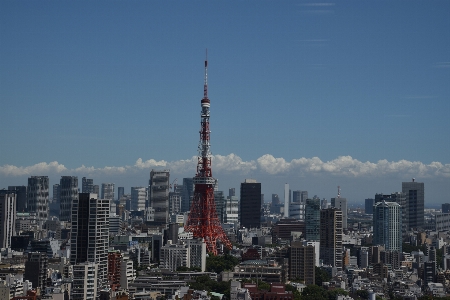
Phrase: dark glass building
{"type": "Point", "coordinates": [250, 204]}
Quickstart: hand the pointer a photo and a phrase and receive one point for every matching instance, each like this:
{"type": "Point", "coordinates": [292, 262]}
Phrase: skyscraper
{"type": "Point", "coordinates": [250, 204]}
{"type": "Point", "coordinates": [302, 263]}
{"type": "Point", "coordinates": [445, 208]}
{"type": "Point", "coordinates": [108, 191]}
{"type": "Point", "coordinates": [68, 186]}
{"type": "Point", "coordinates": [120, 192]}
{"type": "Point", "coordinates": [159, 195]}
{"type": "Point", "coordinates": [138, 196]}
{"type": "Point", "coordinates": [87, 185]}
{"type": "Point", "coordinates": [231, 192]}
{"type": "Point", "coordinates": [368, 206]}
{"type": "Point", "coordinates": [287, 196]}
{"type": "Point", "coordinates": [387, 225]}
{"type": "Point", "coordinates": [21, 197]}
{"type": "Point", "coordinates": [37, 197]}
{"type": "Point", "coordinates": [341, 203]}
{"type": "Point", "coordinates": [186, 194]}
{"type": "Point", "coordinates": [89, 238]}
{"type": "Point", "coordinates": [7, 217]}
{"type": "Point", "coordinates": [415, 197]}
{"type": "Point", "coordinates": [399, 198]}
{"type": "Point", "coordinates": [312, 219]}
{"type": "Point", "coordinates": [331, 237]}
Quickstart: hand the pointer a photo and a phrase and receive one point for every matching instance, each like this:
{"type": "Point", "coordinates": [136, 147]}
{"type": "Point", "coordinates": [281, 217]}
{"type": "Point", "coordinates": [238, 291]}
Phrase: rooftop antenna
{"type": "Point", "coordinates": [339, 192]}
{"type": "Point", "coordinates": [205, 85]}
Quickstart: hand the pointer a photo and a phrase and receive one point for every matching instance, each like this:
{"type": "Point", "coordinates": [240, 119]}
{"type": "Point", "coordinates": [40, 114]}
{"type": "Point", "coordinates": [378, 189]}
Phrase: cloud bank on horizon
{"type": "Point", "coordinates": [266, 164]}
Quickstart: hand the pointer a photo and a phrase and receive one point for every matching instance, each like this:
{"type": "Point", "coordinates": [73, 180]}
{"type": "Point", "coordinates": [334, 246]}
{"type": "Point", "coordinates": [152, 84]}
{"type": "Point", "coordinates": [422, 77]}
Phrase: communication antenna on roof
{"type": "Point", "coordinates": [339, 192]}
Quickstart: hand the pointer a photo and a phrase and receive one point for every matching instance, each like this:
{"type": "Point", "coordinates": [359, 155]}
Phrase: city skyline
{"type": "Point", "coordinates": [307, 93]}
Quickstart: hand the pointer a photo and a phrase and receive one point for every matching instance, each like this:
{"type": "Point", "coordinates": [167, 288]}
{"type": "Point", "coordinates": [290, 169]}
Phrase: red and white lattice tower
{"type": "Point", "coordinates": [203, 221]}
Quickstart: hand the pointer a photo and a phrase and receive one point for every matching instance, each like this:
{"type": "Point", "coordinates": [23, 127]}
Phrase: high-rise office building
{"type": "Point", "coordinates": [68, 186]}
{"type": "Point", "coordinates": [331, 237]}
{"type": "Point", "coordinates": [36, 269]}
{"type": "Point", "coordinates": [219, 200]}
{"type": "Point", "coordinates": [302, 263]}
{"type": "Point", "coordinates": [399, 198]}
{"type": "Point", "coordinates": [368, 206]}
{"type": "Point", "coordinates": [37, 197]}
{"type": "Point", "coordinates": [120, 192]}
{"type": "Point", "coordinates": [275, 206]}
{"type": "Point", "coordinates": [138, 196]}
{"type": "Point", "coordinates": [7, 217]}
{"type": "Point", "coordinates": [297, 206]}
{"type": "Point", "coordinates": [287, 198]}
{"type": "Point", "coordinates": [387, 225]}
{"type": "Point", "coordinates": [187, 194]}
{"type": "Point", "coordinates": [108, 191]}
{"type": "Point", "coordinates": [445, 208]}
{"type": "Point", "coordinates": [250, 204]}
{"type": "Point", "coordinates": [87, 185]}
{"type": "Point", "coordinates": [159, 195]}
{"type": "Point", "coordinates": [299, 196]}
{"type": "Point", "coordinates": [21, 197]}
{"type": "Point", "coordinates": [56, 196]}
{"type": "Point", "coordinates": [312, 219]}
{"type": "Point", "coordinates": [89, 238]}
{"type": "Point", "coordinates": [341, 203]}
{"type": "Point", "coordinates": [231, 192]}
{"type": "Point", "coordinates": [415, 197]}
{"type": "Point", "coordinates": [175, 199]}
{"type": "Point", "coordinates": [231, 210]}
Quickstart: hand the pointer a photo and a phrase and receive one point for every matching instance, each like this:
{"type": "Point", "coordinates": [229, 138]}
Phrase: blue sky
{"type": "Point", "coordinates": [103, 84]}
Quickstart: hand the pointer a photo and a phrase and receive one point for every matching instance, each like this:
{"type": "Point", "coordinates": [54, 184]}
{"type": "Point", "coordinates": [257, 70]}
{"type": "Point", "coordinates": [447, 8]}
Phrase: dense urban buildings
{"type": "Point", "coordinates": [341, 204]}
{"type": "Point", "coordinates": [250, 203]}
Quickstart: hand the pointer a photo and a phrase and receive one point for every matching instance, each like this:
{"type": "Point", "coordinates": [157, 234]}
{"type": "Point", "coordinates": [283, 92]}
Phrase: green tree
{"type": "Point", "coordinates": [219, 263]}
{"type": "Point", "coordinates": [295, 292]}
{"type": "Point", "coordinates": [321, 276]}
{"type": "Point", "coordinates": [314, 292]}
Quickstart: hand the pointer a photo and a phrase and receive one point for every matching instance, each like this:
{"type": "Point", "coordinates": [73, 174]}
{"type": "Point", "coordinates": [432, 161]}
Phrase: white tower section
{"type": "Point", "coordinates": [286, 200]}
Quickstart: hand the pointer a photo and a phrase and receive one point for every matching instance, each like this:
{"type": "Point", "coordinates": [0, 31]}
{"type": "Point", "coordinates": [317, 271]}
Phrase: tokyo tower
{"type": "Point", "coordinates": [203, 221]}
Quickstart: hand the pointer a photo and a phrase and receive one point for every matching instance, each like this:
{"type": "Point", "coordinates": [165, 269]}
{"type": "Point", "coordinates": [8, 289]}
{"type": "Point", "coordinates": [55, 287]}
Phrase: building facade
{"type": "Point", "coordinates": [341, 203]}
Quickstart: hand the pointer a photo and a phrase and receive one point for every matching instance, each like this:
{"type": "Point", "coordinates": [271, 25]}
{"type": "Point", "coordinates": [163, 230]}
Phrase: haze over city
{"type": "Point", "coordinates": [312, 94]}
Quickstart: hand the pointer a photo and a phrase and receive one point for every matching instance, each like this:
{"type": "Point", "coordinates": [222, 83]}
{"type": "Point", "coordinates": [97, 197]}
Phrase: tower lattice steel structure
{"type": "Point", "coordinates": [203, 221]}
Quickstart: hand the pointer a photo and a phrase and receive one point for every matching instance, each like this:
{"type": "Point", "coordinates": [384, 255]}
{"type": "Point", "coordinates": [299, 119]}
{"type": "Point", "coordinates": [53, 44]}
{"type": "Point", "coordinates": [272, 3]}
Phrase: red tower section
{"type": "Point", "coordinates": [203, 221]}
